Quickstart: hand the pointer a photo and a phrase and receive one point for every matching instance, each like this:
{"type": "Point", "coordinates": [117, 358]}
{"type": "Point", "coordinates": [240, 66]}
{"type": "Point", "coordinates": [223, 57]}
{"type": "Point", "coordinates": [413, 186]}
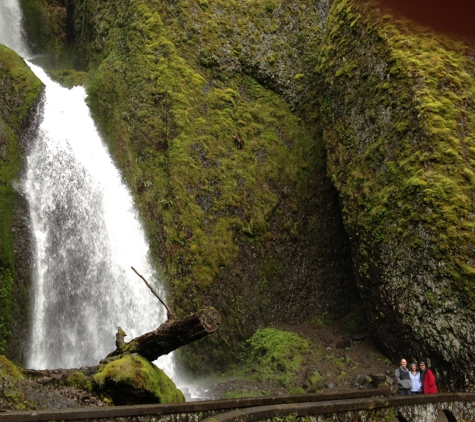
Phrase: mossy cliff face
{"type": "Point", "coordinates": [20, 90]}
{"type": "Point", "coordinates": [10, 375]}
{"type": "Point", "coordinates": [399, 128]}
{"type": "Point", "coordinates": [230, 183]}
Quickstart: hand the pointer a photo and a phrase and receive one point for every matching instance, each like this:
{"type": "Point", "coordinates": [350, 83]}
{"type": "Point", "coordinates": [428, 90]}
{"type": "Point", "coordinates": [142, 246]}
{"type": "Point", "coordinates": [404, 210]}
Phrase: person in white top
{"type": "Point", "coordinates": [415, 380]}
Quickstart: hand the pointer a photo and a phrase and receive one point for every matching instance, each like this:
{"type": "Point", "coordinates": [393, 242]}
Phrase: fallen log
{"type": "Point", "coordinates": [170, 335]}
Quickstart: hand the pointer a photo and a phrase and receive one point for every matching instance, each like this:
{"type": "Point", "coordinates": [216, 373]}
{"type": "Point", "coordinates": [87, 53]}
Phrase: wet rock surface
{"type": "Point", "coordinates": [45, 389]}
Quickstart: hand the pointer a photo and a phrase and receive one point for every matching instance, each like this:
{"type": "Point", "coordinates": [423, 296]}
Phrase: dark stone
{"type": "Point", "coordinates": [362, 379]}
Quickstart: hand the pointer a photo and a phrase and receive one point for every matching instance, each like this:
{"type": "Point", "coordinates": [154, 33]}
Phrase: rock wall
{"type": "Point", "coordinates": [45, 24]}
{"type": "Point", "coordinates": [230, 183]}
{"type": "Point", "coordinates": [20, 92]}
{"type": "Point", "coordinates": [398, 119]}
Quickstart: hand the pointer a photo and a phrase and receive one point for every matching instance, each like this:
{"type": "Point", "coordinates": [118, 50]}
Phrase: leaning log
{"type": "Point", "coordinates": [171, 335]}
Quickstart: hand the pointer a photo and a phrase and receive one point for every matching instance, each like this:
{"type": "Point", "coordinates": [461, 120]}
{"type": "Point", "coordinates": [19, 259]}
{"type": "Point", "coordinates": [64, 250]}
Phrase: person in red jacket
{"type": "Point", "coordinates": [427, 379]}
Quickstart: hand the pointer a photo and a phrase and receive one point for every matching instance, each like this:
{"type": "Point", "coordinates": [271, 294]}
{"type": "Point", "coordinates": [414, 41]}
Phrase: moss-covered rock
{"type": "Point", "coordinates": [20, 90]}
{"type": "Point", "coordinates": [132, 379]}
{"type": "Point", "coordinates": [398, 119]}
{"type": "Point", "coordinates": [9, 369]}
{"type": "Point", "coordinates": [276, 355]}
{"type": "Point", "coordinates": [9, 391]}
{"type": "Point", "coordinates": [79, 380]}
{"type": "Point", "coordinates": [231, 184]}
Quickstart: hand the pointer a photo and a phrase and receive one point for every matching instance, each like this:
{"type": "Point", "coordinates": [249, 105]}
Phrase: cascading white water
{"type": "Point", "coordinates": [87, 235]}
{"type": "Point", "coordinates": [11, 32]}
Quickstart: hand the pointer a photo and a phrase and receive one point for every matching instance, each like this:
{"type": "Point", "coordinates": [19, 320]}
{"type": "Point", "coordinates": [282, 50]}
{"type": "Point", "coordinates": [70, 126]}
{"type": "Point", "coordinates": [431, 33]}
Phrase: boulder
{"type": "Point", "coordinates": [132, 379]}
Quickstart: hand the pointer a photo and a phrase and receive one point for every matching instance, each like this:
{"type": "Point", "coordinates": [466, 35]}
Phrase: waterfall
{"type": "Point", "coordinates": [11, 30]}
{"type": "Point", "coordinates": [87, 235]}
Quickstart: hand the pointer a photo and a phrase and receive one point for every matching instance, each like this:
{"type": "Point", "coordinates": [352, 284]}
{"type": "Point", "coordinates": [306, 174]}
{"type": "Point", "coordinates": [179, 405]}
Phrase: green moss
{"type": "Point", "coordinates": [210, 155]}
{"type": "Point", "coordinates": [69, 77]}
{"type": "Point", "coordinates": [8, 369]}
{"type": "Point", "coordinates": [314, 381]}
{"type": "Point", "coordinates": [184, 138]}
{"type": "Point", "coordinates": [79, 380]}
{"type": "Point", "coordinates": [133, 380]}
{"type": "Point", "coordinates": [276, 355]}
{"type": "Point", "coordinates": [6, 311]}
{"type": "Point", "coordinates": [422, 175]}
{"type": "Point", "coordinates": [10, 375]}
{"type": "Point", "coordinates": [398, 133]}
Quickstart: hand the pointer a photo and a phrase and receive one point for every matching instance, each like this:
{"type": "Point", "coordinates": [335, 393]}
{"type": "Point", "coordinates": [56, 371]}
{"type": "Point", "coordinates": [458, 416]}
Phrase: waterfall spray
{"type": "Point", "coordinates": [86, 231]}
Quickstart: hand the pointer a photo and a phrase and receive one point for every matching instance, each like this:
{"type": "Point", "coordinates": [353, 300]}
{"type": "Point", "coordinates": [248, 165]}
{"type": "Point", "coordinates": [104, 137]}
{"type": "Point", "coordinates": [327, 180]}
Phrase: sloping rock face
{"type": "Point", "coordinates": [399, 128]}
{"type": "Point", "coordinates": [19, 93]}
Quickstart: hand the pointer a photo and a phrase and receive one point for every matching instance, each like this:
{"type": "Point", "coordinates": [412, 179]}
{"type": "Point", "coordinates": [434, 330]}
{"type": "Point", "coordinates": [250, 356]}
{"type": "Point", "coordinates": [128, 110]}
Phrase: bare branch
{"type": "Point", "coordinates": [170, 314]}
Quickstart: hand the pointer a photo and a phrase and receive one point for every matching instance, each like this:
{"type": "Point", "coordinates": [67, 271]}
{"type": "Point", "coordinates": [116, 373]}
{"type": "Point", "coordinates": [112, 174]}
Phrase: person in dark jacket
{"type": "Point", "coordinates": [403, 379]}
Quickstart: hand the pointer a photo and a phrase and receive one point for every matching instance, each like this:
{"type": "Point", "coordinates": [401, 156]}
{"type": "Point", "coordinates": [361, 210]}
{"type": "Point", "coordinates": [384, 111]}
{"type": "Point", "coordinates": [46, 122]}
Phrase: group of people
{"type": "Point", "coordinates": [417, 380]}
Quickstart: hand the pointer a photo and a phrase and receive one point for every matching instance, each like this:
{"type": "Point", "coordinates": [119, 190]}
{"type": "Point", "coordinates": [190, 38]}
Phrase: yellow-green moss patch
{"type": "Point", "coordinates": [132, 380]}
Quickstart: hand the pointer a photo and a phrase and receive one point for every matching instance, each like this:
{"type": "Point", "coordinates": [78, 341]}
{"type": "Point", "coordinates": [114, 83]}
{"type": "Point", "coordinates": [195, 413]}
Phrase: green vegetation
{"type": "Point", "coordinates": [20, 90]}
{"type": "Point", "coordinates": [79, 380]}
{"type": "Point", "coordinates": [275, 362]}
{"type": "Point", "coordinates": [45, 24]}
{"type": "Point", "coordinates": [8, 369]}
{"type": "Point", "coordinates": [6, 311]}
{"type": "Point", "coordinates": [10, 375]}
{"type": "Point", "coordinates": [276, 355]}
{"type": "Point", "coordinates": [271, 359]}
{"type": "Point", "coordinates": [411, 177]}
{"type": "Point", "coordinates": [314, 381]}
{"type": "Point", "coordinates": [232, 178]}
{"type": "Point", "coordinates": [228, 180]}
{"type": "Point", "coordinates": [69, 77]}
{"type": "Point", "coordinates": [205, 159]}
{"type": "Point", "coordinates": [133, 379]}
